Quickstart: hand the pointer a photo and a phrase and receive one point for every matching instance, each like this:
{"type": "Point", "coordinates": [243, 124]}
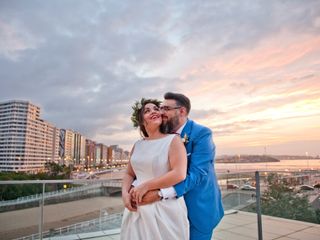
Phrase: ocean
{"type": "Point", "coordinates": [283, 165]}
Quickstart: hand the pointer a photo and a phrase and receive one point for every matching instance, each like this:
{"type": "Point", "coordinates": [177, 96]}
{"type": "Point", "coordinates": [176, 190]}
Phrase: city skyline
{"type": "Point", "coordinates": [251, 69]}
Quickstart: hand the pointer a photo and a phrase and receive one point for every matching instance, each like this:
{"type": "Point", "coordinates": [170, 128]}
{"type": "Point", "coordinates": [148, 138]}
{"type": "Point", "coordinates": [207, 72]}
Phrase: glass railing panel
{"type": "Point", "coordinates": [237, 188]}
{"type": "Point", "coordinates": [83, 207]}
{"type": "Point", "coordinates": [291, 194]}
{"type": "Point", "coordinates": [19, 210]}
{"type": "Point", "coordinates": [66, 207]}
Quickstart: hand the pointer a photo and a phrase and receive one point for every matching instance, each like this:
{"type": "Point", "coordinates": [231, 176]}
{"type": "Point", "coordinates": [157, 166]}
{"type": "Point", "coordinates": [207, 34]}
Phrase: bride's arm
{"type": "Point", "coordinates": [127, 180]}
{"type": "Point", "coordinates": [177, 172]}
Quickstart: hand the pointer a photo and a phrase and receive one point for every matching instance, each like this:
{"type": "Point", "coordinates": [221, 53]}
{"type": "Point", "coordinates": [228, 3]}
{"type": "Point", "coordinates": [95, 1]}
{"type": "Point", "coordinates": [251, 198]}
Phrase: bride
{"type": "Point", "coordinates": [157, 161]}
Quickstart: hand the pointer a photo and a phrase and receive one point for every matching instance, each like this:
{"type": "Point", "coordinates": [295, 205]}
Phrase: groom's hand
{"type": "Point", "coordinates": [150, 197]}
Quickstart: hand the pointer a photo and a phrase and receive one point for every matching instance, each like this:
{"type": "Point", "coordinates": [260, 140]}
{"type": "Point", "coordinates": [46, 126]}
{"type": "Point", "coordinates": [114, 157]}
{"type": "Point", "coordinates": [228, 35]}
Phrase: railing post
{"type": "Point", "coordinates": [41, 211]}
{"type": "Point", "coordinates": [100, 219]}
{"type": "Point", "coordinates": [238, 193]}
{"type": "Point", "coordinates": [258, 197]}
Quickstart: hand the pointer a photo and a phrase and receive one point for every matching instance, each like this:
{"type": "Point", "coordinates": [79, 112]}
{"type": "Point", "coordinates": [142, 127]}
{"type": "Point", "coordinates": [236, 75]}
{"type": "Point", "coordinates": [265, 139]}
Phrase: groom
{"type": "Point", "coordinates": [200, 188]}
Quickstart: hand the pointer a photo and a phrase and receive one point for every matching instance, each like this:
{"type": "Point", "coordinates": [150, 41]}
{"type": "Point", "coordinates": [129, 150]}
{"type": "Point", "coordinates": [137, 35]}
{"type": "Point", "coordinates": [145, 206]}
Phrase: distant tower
{"type": "Point", "coordinates": [265, 150]}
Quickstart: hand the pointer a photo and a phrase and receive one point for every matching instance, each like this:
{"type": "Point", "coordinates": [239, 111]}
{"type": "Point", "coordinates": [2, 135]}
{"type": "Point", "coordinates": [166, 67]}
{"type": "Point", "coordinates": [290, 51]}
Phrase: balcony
{"type": "Point", "coordinates": [83, 209]}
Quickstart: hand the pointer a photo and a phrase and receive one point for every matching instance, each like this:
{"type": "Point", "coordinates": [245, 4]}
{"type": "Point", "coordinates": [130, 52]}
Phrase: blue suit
{"type": "Point", "coordinates": [200, 188]}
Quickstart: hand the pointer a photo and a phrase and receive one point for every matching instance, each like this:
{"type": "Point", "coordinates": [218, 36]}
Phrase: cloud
{"type": "Point", "coordinates": [14, 40]}
{"type": "Point", "coordinates": [85, 73]}
{"type": "Point", "coordinates": [86, 62]}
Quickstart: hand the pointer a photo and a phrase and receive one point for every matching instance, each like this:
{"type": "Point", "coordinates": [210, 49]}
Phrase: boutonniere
{"type": "Point", "coordinates": [185, 139]}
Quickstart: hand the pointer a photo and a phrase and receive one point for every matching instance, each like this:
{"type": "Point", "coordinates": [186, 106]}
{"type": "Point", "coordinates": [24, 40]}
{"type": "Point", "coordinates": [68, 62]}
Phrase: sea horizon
{"type": "Point", "coordinates": [282, 165]}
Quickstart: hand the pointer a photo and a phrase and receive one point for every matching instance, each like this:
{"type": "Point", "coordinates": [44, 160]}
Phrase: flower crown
{"type": "Point", "coordinates": [138, 106]}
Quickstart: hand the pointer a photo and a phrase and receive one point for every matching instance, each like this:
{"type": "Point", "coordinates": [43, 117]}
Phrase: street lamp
{"type": "Point", "coordinates": [228, 171]}
{"type": "Point", "coordinates": [307, 156]}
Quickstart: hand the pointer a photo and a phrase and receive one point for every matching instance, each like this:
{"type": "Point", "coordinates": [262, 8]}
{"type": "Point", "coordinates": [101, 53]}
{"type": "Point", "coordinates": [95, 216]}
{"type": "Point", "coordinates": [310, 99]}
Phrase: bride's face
{"type": "Point", "coordinates": [151, 115]}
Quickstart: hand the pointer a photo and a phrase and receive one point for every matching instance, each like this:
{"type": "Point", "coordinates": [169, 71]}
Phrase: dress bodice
{"type": "Point", "coordinates": [150, 158]}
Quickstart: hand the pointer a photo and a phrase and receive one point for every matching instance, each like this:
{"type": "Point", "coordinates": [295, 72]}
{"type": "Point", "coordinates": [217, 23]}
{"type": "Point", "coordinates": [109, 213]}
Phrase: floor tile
{"type": "Point", "coordinates": [226, 235]}
{"type": "Point", "coordinates": [314, 230]}
{"type": "Point", "coordinates": [304, 236]}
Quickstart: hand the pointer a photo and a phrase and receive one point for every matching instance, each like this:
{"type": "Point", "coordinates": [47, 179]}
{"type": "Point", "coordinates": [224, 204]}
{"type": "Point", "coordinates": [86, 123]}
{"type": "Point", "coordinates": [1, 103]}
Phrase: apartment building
{"type": "Point", "coordinates": [90, 153]}
{"type": "Point", "coordinates": [79, 149]}
{"type": "Point", "coordinates": [101, 154]}
{"type": "Point", "coordinates": [66, 147]}
{"type": "Point", "coordinates": [27, 142]}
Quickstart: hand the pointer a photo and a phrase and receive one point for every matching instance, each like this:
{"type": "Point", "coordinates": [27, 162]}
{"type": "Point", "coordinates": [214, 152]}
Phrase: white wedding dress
{"type": "Point", "coordinates": [163, 220]}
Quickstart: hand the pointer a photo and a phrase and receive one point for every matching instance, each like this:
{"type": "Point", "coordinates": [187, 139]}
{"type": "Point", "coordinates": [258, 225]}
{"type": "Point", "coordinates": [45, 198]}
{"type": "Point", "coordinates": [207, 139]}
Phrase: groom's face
{"type": "Point", "coordinates": [170, 115]}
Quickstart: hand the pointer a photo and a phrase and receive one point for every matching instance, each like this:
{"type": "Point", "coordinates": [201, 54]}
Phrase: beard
{"type": "Point", "coordinates": [170, 125]}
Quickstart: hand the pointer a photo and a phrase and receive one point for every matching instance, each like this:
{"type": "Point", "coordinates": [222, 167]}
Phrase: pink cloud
{"type": "Point", "coordinates": [271, 54]}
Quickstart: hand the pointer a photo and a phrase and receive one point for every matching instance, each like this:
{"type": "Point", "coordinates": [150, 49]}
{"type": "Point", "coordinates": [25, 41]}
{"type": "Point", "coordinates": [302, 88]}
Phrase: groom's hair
{"type": "Point", "coordinates": [180, 99]}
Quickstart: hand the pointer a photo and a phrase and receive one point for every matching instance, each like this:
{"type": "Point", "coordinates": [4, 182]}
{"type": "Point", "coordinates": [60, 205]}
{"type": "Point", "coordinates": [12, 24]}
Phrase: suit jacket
{"type": "Point", "coordinates": [200, 188]}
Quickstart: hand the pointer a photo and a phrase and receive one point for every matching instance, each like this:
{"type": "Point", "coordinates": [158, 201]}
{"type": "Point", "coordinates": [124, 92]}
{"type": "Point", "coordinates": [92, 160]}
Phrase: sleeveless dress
{"type": "Point", "coordinates": [163, 220]}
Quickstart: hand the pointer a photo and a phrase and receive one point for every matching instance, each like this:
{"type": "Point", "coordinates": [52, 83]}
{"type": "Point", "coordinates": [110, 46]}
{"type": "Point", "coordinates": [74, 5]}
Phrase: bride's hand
{"type": "Point", "coordinates": [128, 203]}
{"type": "Point", "coordinates": [139, 191]}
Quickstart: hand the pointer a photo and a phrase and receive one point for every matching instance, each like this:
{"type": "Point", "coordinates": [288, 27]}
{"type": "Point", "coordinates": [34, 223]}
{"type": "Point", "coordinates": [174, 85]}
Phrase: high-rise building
{"type": "Point", "coordinates": [110, 155]}
{"type": "Point", "coordinates": [26, 141]}
{"type": "Point", "coordinates": [104, 154]}
{"type": "Point", "coordinates": [98, 155]}
{"type": "Point", "coordinates": [79, 149]}
{"type": "Point", "coordinates": [90, 153]}
{"type": "Point", "coordinates": [126, 155]}
{"type": "Point", "coordinates": [56, 140]}
{"type": "Point", "coordinates": [117, 153]}
{"type": "Point", "coordinates": [66, 149]}
{"type": "Point", "coordinates": [101, 154]}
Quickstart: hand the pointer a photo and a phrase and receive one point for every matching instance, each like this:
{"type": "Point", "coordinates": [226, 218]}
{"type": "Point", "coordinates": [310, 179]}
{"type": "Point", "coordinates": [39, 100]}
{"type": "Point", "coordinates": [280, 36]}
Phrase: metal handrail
{"type": "Point", "coordinates": [56, 181]}
{"type": "Point", "coordinates": [80, 226]}
{"type": "Point", "coordinates": [35, 197]}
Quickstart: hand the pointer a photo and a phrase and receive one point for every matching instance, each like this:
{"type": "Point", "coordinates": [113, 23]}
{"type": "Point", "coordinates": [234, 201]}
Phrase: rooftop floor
{"type": "Point", "coordinates": [237, 225]}
{"type": "Point", "coordinates": [243, 225]}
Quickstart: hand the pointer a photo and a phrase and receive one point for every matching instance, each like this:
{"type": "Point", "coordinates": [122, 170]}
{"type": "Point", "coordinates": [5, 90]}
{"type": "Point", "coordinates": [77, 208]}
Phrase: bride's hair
{"type": "Point", "coordinates": [137, 114]}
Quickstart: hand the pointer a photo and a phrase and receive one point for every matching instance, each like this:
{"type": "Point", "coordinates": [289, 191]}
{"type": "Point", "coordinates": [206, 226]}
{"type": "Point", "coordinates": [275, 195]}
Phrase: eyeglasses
{"type": "Point", "coordinates": [168, 108]}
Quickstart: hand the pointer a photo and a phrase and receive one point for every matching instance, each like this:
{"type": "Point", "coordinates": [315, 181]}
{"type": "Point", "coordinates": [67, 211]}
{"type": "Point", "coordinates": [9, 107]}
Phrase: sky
{"type": "Point", "coordinates": [250, 68]}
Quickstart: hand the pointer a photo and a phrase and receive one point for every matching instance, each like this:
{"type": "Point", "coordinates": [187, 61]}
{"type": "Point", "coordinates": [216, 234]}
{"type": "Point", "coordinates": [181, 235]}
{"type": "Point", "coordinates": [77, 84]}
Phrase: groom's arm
{"type": "Point", "coordinates": [151, 197]}
{"type": "Point", "coordinates": [156, 195]}
{"type": "Point", "coordinates": [201, 161]}
{"type": "Point", "coordinates": [202, 156]}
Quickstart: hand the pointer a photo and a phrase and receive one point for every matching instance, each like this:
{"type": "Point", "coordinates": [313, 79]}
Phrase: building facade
{"type": "Point", "coordinates": [66, 147]}
{"type": "Point", "coordinates": [79, 149]}
{"type": "Point", "coordinates": [117, 155]}
{"type": "Point", "coordinates": [101, 154]}
{"type": "Point", "coordinates": [90, 153]}
{"type": "Point", "coordinates": [27, 142]}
